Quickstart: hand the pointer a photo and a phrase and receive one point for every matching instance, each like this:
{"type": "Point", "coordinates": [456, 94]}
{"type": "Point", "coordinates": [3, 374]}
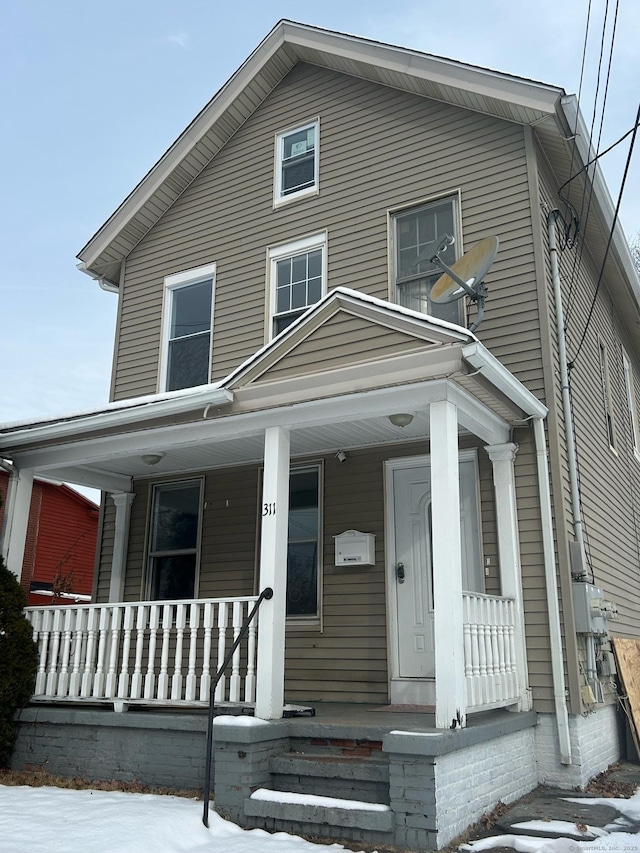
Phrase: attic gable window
{"type": "Point", "coordinates": [297, 280]}
{"type": "Point", "coordinates": [188, 325]}
{"type": "Point", "coordinates": [296, 168]}
{"type": "Point", "coordinates": [414, 231]}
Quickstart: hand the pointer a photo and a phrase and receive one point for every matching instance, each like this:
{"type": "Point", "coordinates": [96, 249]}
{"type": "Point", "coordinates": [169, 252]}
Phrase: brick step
{"type": "Point", "coordinates": [292, 808]}
{"type": "Point", "coordinates": [321, 765]}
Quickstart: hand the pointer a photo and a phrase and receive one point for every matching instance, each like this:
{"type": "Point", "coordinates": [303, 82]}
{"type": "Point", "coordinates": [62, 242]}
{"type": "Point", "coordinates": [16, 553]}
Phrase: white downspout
{"type": "Point", "coordinates": [555, 635]}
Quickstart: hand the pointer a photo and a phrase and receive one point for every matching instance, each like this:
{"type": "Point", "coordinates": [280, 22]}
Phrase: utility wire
{"type": "Point", "coordinates": [611, 232]}
{"type": "Point", "coordinates": [631, 130]}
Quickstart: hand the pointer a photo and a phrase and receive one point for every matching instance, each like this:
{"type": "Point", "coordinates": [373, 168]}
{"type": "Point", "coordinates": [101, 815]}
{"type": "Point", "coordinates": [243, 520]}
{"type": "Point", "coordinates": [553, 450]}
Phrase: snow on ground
{"type": "Point", "coordinates": [59, 820]}
{"type": "Point", "coordinates": [609, 839]}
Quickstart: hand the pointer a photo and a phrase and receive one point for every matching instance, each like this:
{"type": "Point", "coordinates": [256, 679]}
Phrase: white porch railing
{"type": "Point", "coordinates": [489, 651]}
{"type": "Point", "coordinates": [145, 652]}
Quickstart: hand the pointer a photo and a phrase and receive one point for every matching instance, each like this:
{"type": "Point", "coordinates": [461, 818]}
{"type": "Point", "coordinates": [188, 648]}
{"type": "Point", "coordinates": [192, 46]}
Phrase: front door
{"type": "Point", "coordinates": [411, 574]}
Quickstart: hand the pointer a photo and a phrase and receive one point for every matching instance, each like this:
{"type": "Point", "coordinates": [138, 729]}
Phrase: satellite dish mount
{"type": "Point", "coordinates": [466, 276]}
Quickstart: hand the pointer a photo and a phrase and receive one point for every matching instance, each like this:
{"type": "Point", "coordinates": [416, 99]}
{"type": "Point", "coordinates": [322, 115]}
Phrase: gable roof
{"type": "Point", "coordinates": [494, 93]}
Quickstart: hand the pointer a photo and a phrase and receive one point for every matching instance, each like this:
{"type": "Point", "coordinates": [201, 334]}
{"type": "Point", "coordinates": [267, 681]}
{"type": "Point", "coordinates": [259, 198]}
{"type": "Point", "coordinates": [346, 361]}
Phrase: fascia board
{"type": "Point", "coordinates": [481, 359]}
{"type": "Point", "coordinates": [576, 124]}
{"type": "Point", "coordinates": [481, 81]}
{"type": "Point", "coordinates": [159, 173]}
{"type": "Point", "coordinates": [126, 418]}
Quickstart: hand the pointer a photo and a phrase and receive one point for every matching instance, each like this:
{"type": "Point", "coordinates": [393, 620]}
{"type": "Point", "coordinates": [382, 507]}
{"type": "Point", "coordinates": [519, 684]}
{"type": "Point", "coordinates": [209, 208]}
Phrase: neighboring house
{"type": "Point", "coordinates": [60, 543]}
{"type": "Point", "coordinates": [291, 410]}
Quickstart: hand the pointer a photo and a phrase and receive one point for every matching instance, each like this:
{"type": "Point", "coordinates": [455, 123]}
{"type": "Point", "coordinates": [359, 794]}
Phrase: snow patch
{"type": "Point", "coordinates": [315, 800]}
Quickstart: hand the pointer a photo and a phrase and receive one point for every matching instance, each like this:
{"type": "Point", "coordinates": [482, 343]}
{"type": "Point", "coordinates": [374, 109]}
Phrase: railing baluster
{"type": "Point", "coordinates": [123, 678]}
{"type": "Point", "coordinates": [176, 680]}
{"type": "Point", "coordinates": [41, 677]}
{"type": "Point", "coordinates": [103, 637]}
{"type": "Point", "coordinates": [163, 678]}
{"type": "Point", "coordinates": [137, 679]}
{"type": "Point", "coordinates": [194, 624]}
{"type": "Point", "coordinates": [222, 636]}
{"type": "Point", "coordinates": [52, 669]}
{"type": "Point", "coordinates": [250, 678]}
{"type": "Point", "coordinates": [63, 678]}
{"type": "Point", "coordinates": [79, 639]}
{"type": "Point", "coordinates": [87, 675]}
{"type": "Point", "coordinates": [114, 648]}
{"type": "Point", "coordinates": [150, 677]}
{"type": "Point", "coordinates": [234, 681]}
{"type": "Point", "coordinates": [205, 680]}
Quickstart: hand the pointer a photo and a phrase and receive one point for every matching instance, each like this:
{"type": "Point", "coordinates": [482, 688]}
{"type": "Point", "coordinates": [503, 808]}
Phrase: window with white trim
{"type": "Point", "coordinates": [296, 169]}
{"type": "Point", "coordinates": [174, 539]}
{"type": "Point", "coordinates": [297, 280]}
{"type": "Point", "coordinates": [188, 325]}
{"type": "Point", "coordinates": [606, 394]}
{"type": "Point", "coordinates": [414, 234]}
{"type": "Point", "coordinates": [631, 402]}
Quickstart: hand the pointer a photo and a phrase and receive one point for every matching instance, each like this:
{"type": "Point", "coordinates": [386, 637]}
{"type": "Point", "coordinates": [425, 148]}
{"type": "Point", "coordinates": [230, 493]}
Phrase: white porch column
{"type": "Point", "coordinates": [447, 566]}
{"type": "Point", "coordinates": [273, 573]}
{"type": "Point", "coordinates": [123, 501]}
{"type": "Point", "coordinates": [16, 519]}
{"type": "Point", "coordinates": [502, 457]}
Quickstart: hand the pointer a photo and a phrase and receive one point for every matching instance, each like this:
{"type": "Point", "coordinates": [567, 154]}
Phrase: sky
{"type": "Point", "coordinates": [68, 821]}
{"type": "Point", "coordinates": [93, 93]}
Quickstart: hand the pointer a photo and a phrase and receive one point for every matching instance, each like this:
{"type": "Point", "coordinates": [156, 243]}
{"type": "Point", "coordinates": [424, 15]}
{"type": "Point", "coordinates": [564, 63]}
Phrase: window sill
{"type": "Point", "coordinates": [301, 194]}
{"type": "Point", "coordinates": [297, 624]}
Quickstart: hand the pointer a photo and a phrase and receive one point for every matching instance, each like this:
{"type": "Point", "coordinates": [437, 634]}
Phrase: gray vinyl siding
{"type": "Point", "coordinates": [105, 551]}
{"type": "Point", "coordinates": [227, 215]}
{"type": "Point", "coordinates": [342, 341]}
{"type": "Point", "coordinates": [609, 480]}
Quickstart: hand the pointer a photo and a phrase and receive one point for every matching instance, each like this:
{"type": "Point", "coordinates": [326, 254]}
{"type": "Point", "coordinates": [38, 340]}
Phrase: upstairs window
{"type": "Point", "coordinates": [297, 163]}
{"type": "Point", "coordinates": [415, 232]}
{"type": "Point", "coordinates": [173, 540]}
{"type": "Point", "coordinates": [186, 355]}
{"type": "Point", "coordinates": [297, 280]}
{"type": "Point", "coordinates": [631, 403]}
{"type": "Point", "coordinates": [606, 394]}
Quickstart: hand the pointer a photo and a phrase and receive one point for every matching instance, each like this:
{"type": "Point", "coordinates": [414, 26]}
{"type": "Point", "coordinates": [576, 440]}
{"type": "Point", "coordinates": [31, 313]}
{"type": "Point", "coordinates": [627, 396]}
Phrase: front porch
{"type": "Point", "coordinates": [165, 654]}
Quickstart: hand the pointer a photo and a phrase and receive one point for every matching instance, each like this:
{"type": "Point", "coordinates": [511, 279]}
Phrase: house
{"type": "Point", "coordinates": [446, 512]}
{"type": "Point", "coordinates": [60, 543]}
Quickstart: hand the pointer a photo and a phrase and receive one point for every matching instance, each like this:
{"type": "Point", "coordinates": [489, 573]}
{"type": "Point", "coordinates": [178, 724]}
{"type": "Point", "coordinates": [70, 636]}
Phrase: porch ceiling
{"type": "Point", "coordinates": [321, 426]}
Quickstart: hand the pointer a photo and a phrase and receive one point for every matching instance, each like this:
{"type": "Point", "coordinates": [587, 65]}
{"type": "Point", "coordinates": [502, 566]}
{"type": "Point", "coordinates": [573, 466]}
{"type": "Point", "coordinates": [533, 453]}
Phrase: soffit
{"type": "Point", "coordinates": [473, 88]}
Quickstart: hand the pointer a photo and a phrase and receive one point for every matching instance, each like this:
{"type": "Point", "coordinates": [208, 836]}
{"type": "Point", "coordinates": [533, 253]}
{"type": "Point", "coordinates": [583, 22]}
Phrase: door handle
{"type": "Point", "coordinates": [400, 572]}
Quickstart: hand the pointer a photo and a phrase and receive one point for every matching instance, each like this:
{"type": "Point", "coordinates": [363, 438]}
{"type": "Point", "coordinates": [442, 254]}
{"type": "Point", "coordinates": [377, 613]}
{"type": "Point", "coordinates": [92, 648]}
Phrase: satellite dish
{"type": "Point", "coordinates": [466, 276]}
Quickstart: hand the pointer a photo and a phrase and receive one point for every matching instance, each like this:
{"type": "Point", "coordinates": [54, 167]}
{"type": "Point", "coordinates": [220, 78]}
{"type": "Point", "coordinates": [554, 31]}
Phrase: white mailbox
{"type": "Point", "coordinates": [355, 549]}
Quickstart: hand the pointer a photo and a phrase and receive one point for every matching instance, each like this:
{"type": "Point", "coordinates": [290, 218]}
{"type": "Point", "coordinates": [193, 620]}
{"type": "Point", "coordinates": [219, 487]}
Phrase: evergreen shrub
{"type": "Point", "coordinates": [18, 659]}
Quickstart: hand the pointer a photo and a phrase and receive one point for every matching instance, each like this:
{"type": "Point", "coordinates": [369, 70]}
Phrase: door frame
{"type": "Point", "coordinates": [410, 690]}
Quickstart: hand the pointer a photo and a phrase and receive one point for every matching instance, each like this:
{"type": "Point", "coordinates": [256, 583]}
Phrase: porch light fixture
{"type": "Point", "coordinates": [401, 419]}
{"type": "Point", "coordinates": [152, 458]}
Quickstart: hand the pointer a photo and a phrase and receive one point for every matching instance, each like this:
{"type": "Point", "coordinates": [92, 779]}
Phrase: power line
{"type": "Point", "coordinates": [613, 225]}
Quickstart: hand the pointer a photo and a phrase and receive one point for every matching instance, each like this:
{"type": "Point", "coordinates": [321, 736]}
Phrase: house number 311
{"type": "Point", "coordinates": [269, 509]}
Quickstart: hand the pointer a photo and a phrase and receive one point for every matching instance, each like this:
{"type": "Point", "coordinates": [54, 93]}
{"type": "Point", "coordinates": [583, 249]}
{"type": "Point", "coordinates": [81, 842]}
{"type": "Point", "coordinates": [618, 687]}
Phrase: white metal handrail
{"type": "Point", "coordinates": [491, 675]}
{"type": "Point", "coordinates": [153, 652]}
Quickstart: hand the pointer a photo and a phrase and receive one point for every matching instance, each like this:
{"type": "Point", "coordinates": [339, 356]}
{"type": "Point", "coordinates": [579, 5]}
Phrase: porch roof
{"type": "Point", "coordinates": [325, 410]}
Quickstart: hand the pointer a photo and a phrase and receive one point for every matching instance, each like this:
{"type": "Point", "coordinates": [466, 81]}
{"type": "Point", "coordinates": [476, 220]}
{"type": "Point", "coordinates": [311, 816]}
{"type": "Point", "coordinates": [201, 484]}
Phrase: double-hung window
{"type": "Point", "coordinates": [297, 280]}
{"type": "Point", "coordinates": [173, 539]}
{"type": "Point", "coordinates": [414, 234]}
{"type": "Point", "coordinates": [296, 166]}
{"type": "Point", "coordinates": [186, 352]}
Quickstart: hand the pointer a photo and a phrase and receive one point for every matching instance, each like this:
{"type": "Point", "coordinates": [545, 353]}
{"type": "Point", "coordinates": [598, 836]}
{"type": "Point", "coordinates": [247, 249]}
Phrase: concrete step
{"type": "Point", "coordinates": [291, 807]}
